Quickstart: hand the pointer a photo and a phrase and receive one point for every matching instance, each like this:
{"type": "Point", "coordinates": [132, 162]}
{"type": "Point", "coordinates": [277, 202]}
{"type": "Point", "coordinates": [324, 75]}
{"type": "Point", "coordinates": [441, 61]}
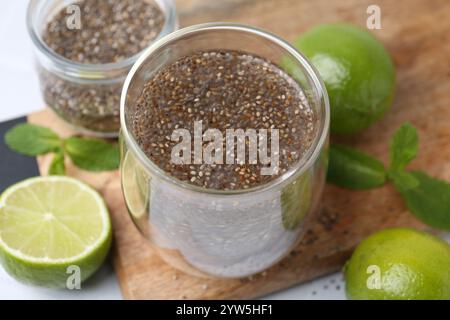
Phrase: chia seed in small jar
{"type": "Point", "coordinates": [224, 90]}
{"type": "Point", "coordinates": [110, 32]}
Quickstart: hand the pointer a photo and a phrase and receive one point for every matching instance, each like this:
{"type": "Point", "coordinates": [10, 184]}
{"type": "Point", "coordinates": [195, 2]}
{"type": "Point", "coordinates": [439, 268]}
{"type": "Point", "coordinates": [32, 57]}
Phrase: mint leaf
{"type": "Point", "coordinates": [57, 167]}
{"type": "Point", "coordinates": [88, 154]}
{"type": "Point", "coordinates": [404, 146]}
{"type": "Point", "coordinates": [429, 200]}
{"type": "Point", "coordinates": [32, 140]}
{"type": "Point", "coordinates": [352, 169]}
{"type": "Point", "coordinates": [404, 180]}
{"type": "Point", "coordinates": [92, 154]}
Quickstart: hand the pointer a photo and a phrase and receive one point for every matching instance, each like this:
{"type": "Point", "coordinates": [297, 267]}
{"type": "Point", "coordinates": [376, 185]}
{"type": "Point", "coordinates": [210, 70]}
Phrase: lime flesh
{"type": "Point", "coordinates": [49, 224]}
{"type": "Point", "coordinates": [399, 264]}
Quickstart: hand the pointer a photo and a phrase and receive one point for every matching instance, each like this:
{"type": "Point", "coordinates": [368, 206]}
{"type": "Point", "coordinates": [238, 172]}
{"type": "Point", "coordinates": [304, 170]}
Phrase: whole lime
{"type": "Point", "coordinates": [399, 264]}
{"type": "Point", "coordinates": [357, 71]}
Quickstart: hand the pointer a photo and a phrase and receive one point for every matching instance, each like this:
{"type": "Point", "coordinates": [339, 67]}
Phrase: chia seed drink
{"type": "Point", "coordinates": [222, 219]}
{"type": "Point", "coordinates": [224, 90]}
{"type": "Point", "coordinates": [85, 48]}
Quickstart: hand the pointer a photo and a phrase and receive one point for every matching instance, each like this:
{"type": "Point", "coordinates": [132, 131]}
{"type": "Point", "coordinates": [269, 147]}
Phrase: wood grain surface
{"type": "Point", "coordinates": [417, 34]}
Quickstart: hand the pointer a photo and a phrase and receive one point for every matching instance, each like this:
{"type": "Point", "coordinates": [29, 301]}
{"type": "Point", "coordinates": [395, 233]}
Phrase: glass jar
{"type": "Point", "coordinates": [87, 96]}
{"type": "Point", "coordinates": [218, 233]}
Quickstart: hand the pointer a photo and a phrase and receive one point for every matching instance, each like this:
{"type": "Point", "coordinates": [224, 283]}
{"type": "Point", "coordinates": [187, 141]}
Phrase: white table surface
{"type": "Point", "coordinates": [20, 95]}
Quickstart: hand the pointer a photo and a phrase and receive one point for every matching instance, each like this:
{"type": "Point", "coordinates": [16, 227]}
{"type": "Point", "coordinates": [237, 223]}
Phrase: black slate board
{"type": "Point", "coordinates": [14, 167]}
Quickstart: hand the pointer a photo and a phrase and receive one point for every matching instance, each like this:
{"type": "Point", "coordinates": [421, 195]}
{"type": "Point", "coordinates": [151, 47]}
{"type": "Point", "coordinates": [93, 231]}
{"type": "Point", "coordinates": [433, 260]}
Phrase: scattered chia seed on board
{"type": "Point", "coordinates": [225, 90]}
{"type": "Point", "coordinates": [111, 31]}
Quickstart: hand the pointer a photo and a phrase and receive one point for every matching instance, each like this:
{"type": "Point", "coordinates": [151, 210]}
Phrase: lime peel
{"type": "Point", "coordinates": [45, 270]}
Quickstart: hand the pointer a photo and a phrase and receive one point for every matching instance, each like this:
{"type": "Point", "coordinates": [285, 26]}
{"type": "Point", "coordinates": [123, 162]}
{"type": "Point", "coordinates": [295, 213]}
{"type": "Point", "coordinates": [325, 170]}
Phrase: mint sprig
{"type": "Point", "coordinates": [32, 140]}
{"type": "Point", "coordinates": [403, 180]}
{"type": "Point", "coordinates": [426, 197]}
{"type": "Point", "coordinates": [57, 167]}
{"type": "Point", "coordinates": [92, 154]}
{"type": "Point", "coordinates": [429, 200]}
{"type": "Point", "coordinates": [88, 154]}
{"type": "Point", "coordinates": [352, 169]}
{"type": "Point", "coordinates": [404, 147]}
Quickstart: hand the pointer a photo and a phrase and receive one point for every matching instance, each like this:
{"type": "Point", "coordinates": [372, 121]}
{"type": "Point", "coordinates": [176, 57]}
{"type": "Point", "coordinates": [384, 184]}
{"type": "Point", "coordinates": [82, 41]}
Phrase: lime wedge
{"type": "Point", "coordinates": [52, 227]}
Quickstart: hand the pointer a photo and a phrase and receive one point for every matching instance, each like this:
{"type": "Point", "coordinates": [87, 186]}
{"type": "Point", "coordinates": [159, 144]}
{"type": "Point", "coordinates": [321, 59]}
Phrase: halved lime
{"type": "Point", "coordinates": [52, 227]}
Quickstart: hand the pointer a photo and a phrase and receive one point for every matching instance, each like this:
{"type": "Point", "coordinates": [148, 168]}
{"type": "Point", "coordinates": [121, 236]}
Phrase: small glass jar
{"type": "Point", "coordinates": [87, 96]}
{"type": "Point", "coordinates": [208, 232]}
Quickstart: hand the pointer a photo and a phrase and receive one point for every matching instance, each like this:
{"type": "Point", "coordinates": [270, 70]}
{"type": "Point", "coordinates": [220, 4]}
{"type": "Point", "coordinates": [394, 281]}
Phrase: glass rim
{"type": "Point", "coordinates": [300, 166]}
{"type": "Point", "coordinates": [170, 24]}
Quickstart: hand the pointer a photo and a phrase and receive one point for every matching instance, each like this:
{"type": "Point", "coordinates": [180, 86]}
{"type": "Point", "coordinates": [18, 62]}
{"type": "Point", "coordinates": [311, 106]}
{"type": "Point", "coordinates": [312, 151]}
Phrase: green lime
{"type": "Point", "coordinates": [357, 70]}
{"type": "Point", "coordinates": [135, 182]}
{"type": "Point", "coordinates": [399, 264]}
{"type": "Point", "coordinates": [52, 228]}
{"type": "Point", "coordinates": [296, 202]}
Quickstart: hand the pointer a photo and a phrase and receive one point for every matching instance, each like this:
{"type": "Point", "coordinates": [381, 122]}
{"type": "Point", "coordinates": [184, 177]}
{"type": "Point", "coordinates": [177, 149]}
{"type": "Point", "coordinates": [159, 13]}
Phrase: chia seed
{"type": "Point", "coordinates": [224, 89]}
{"type": "Point", "coordinates": [110, 32]}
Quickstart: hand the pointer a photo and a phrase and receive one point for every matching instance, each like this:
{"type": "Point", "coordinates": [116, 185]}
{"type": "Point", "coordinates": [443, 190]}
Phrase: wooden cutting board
{"type": "Point", "coordinates": [417, 34]}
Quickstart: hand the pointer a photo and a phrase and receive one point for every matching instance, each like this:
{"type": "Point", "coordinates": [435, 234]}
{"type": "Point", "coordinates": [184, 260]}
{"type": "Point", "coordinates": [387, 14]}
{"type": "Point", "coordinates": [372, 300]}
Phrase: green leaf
{"type": "Point", "coordinates": [57, 167]}
{"type": "Point", "coordinates": [404, 146]}
{"type": "Point", "coordinates": [92, 154]}
{"type": "Point", "coordinates": [429, 200]}
{"type": "Point", "coordinates": [352, 169]}
{"type": "Point", "coordinates": [403, 179]}
{"type": "Point", "coordinates": [32, 140]}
